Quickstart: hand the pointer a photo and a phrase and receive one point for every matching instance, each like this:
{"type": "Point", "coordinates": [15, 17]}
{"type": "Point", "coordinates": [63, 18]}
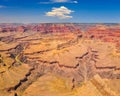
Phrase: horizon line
{"type": "Point", "coordinates": [64, 23]}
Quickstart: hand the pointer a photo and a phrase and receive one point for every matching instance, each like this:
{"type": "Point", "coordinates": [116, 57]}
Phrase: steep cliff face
{"type": "Point", "coordinates": [42, 28]}
{"type": "Point", "coordinates": [105, 33]}
{"type": "Point", "coordinates": [20, 29]}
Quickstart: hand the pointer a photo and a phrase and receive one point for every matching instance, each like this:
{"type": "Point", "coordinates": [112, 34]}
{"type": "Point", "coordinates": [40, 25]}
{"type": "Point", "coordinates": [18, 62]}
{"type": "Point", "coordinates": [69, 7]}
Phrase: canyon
{"type": "Point", "coordinates": [67, 59]}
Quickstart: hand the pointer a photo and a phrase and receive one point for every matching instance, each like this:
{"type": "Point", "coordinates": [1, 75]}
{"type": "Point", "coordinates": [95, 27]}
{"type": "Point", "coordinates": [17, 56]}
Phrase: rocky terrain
{"type": "Point", "coordinates": [59, 60]}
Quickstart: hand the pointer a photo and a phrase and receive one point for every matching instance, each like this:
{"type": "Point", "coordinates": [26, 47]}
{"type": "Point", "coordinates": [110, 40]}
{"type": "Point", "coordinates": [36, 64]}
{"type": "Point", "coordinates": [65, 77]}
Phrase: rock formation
{"type": "Point", "coordinates": [63, 54]}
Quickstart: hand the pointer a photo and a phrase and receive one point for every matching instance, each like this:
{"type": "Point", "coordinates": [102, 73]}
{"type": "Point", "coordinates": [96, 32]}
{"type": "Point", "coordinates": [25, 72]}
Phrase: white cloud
{"type": "Point", "coordinates": [61, 13]}
{"type": "Point", "coordinates": [59, 1]}
{"type": "Point", "coordinates": [64, 1]}
{"type": "Point", "coordinates": [75, 1]}
{"type": "Point", "coordinates": [1, 6]}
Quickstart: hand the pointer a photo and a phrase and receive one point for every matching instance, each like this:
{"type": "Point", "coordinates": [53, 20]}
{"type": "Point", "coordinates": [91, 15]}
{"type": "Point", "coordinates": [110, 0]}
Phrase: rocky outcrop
{"type": "Point", "coordinates": [20, 29]}
{"type": "Point", "coordinates": [105, 34]}
{"type": "Point", "coordinates": [43, 28]}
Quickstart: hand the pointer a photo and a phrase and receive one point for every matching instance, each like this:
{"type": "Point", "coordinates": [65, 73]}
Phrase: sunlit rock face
{"type": "Point", "coordinates": [60, 59]}
{"type": "Point", "coordinates": [105, 33]}
{"type": "Point", "coordinates": [20, 29]}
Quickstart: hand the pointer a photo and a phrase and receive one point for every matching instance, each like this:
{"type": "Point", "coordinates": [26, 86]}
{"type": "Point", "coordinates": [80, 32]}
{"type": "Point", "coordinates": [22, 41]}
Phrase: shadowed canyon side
{"type": "Point", "coordinates": [59, 59]}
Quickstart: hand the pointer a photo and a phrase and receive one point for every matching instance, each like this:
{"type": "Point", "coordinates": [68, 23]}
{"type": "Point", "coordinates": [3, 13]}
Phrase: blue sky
{"type": "Point", "coordinates": [46, 11]}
